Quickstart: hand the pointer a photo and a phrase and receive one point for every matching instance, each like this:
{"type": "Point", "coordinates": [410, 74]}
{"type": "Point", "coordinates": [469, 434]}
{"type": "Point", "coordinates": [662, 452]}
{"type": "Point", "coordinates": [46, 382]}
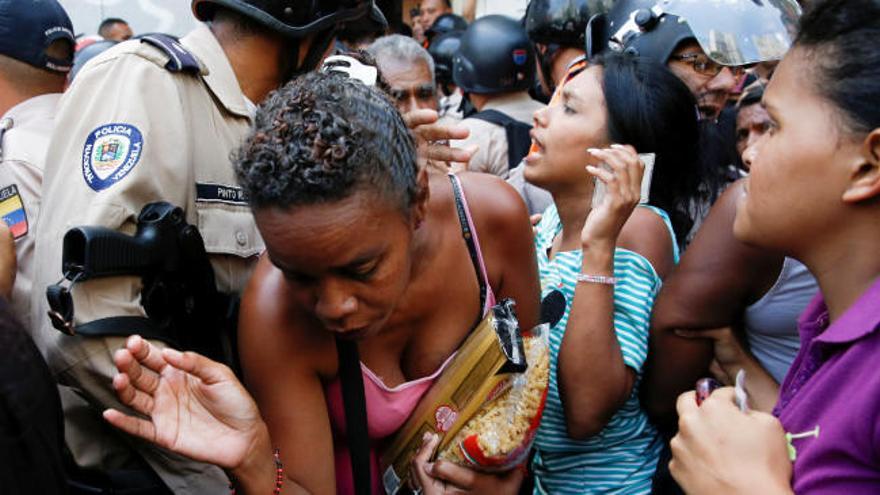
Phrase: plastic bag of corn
{"type": "Point", "coordinates": [499, 436]}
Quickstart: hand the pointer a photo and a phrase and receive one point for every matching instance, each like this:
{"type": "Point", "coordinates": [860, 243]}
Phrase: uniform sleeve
{"type": "Point", "coordinates": [634, 297]}
{"type": "Point", "coordinates": [121, 140]}
{"type": "Point", "coordinates": [119, 143]}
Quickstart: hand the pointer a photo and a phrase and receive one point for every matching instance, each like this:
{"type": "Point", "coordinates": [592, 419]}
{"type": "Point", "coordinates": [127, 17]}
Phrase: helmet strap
{"type": "Point", "coordinates": [320, 43]}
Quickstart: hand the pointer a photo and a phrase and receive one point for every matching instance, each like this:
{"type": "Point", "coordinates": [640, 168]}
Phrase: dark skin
{"type": "Point", "coordinates": [717, 279]}
{"type": "Point", "coordinates": [413, 310]}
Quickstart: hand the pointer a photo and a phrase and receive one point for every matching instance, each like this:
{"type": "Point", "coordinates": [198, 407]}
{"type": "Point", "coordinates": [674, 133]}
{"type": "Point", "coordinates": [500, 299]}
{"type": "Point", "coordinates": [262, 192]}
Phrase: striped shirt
{"type": "Point", "coordinates": [622, 457]}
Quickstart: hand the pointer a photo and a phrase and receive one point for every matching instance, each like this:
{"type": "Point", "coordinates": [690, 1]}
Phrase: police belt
{"type": "Point", "coordinates": [183, 306]}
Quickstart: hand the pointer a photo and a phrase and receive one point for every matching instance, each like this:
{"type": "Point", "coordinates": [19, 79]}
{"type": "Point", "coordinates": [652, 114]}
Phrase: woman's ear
{"type": "Point", "coordinates": [864, 183]}
{"type": "Point", "coordinates": [420, 203]}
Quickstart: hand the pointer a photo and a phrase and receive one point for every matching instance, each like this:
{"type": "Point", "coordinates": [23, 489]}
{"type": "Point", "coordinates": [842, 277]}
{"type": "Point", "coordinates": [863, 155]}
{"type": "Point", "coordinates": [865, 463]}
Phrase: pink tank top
{"type": "Point", "coordinates": [388, 408]}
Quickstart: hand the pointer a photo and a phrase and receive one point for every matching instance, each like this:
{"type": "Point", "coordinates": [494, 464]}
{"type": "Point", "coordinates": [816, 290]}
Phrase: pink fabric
{"type": "Point", "coordinates": [388, 408]}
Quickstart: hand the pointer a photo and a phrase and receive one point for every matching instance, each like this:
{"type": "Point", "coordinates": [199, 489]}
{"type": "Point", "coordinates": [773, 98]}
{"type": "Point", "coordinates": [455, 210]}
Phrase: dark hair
{"type": "Point", "coordinates": [322, 138]}
{"type": "Point", "coordinates": [841, 37]}
{"type": "Point", "coordinates": [109, 22]}
{"type": "Point", "coordinates": [655, 112]}
{"type": "Point", "coordinates": [752, 95]}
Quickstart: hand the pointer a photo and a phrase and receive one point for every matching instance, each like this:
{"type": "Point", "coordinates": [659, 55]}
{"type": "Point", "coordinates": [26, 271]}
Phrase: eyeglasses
{"type": "Point", "coordinates": [704, 65]}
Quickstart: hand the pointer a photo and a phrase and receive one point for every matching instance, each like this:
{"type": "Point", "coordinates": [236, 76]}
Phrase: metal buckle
{"type": "Point", "coordinates": [61, 305]}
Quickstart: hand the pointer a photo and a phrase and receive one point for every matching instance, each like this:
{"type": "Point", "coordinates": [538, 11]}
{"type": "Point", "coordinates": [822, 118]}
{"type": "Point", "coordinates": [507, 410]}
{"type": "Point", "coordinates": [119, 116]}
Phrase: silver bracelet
{"type": "Point", "coordinates": [596, 279]}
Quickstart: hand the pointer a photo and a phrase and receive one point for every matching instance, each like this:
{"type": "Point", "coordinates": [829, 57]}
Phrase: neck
{"type": "Point", "coordinates": [255, 59]}
{"type": "Point", "coordinates": [12, 94]}
{"type": "Point", "coordinates": [479, 101]}
{"type": "Point", "coordinates": [573, 207]}
{"type": "Point", "coordinates": [564, 56]}
{"type": "Point", "coordinates": [848, 265]}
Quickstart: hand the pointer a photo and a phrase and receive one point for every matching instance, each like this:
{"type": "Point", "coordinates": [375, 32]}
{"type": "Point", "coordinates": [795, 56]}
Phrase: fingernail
{"type": "Point", "coordinates": [425, 437]}
{"type": "Point", "coordinates": [429, 468]}
{"type": "Point", "coordinates": [618, 146]}
{"type": "Point", "coordinates": [593, 150]}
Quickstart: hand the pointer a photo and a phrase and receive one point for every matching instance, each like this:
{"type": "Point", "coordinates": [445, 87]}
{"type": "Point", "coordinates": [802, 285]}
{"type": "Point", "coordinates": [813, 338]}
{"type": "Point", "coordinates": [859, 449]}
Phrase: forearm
{"type": "Point", "coordinates": [674, 365]}
{"type": "Point", "coordinates": [593, 378]}
{"type": "Point", "coordinates": [259, 473]}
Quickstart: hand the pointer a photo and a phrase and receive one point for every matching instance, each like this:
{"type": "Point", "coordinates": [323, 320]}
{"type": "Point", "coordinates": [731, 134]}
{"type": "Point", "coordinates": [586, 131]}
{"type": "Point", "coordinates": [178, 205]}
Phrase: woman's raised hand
{"type": "Point", "coordinates": [189, 404]}
{"type": "Point", "coordinates": [623, 186]}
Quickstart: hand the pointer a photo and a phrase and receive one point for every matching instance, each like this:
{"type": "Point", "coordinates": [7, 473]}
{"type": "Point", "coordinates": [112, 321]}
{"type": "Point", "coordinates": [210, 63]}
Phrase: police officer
{"type": "Point", "coordinates": [36, 52]}
{"type": "Point", "coordinates": [156, 119]}
{"type": "Point", "coordinates": [442, 50]}
{"type": "Point", "coordinates": [707, 44]}
{"type": "Point", "coordinates": [557, 28]}
{"type": "Point", "coordinates": [495, 67]}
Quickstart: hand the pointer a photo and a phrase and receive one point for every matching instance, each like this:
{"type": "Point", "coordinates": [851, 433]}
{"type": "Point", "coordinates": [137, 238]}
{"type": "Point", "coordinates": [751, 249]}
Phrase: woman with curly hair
{"type": "Point", "coordinates": [362, 247]}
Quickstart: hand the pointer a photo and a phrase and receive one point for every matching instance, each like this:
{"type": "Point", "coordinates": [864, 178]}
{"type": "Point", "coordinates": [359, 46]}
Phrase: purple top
{"type": "Point", "coordinates": [829, 403]}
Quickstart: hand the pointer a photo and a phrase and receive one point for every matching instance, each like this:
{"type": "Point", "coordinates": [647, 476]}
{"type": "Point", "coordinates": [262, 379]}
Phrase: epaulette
{"type": "Point", "coordinates": [179, 59]}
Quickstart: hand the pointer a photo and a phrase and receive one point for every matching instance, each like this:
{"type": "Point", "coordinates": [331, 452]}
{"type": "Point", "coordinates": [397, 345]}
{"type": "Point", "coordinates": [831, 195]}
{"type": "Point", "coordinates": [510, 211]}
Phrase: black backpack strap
{"type": "Point", "coordinates": [355, 405]}
{"type": "Point", "coordinates": [518, 139]}
{"type": "Point", "coordinates": [179, 59]}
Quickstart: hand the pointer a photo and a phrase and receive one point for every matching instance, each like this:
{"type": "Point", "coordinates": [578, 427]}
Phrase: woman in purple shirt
{"type": "Point", "coordinates": [813, 194]}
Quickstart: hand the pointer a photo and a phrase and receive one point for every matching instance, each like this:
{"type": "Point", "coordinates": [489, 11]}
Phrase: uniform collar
{"type": "Point", "coordinates": [216, 70]}
{"type": "Point", "coordinates": [861, 319]}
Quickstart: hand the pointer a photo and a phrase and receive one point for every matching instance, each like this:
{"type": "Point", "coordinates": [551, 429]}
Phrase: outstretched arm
{"type": "Point", "coordinates": [195, 407]}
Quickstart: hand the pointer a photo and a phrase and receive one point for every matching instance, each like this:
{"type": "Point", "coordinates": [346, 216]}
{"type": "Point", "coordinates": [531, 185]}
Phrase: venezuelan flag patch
{"type": "Point", "coordinates": [12, 211]}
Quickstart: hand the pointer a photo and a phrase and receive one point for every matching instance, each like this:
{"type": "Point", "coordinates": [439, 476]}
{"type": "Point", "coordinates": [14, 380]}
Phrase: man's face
{"type": "Point", "coordinates": [752, 122]}
{"type": "Point", "coordinates": [709, 88]}
{"type": "Point", "coordinates": [119, 32]}
{"type": "Point", "coordinates": [411, 85]}
{"type": "Point", "coordinates": [430, 10]}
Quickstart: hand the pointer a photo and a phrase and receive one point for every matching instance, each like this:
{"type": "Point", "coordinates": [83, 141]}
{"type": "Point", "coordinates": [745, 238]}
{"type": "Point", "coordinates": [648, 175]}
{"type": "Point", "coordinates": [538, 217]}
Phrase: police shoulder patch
{"type": "Point", "coordinates": [12, 211]}
{"type": "Point", "coordinates": [110, 153]}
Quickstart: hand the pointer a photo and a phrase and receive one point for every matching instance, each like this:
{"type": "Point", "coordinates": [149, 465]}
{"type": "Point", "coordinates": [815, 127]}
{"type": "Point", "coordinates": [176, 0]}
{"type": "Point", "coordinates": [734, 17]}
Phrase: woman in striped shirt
{"type": "Point", "coordinates": [607, 262]}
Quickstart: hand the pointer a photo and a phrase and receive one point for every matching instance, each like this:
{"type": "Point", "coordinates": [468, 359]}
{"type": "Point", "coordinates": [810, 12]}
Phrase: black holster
{"type": "Point", "coordinates": [180, 296]}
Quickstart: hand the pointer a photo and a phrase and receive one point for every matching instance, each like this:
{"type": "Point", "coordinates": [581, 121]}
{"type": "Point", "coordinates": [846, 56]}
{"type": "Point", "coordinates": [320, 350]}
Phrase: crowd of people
{"type": "Point", "coordinates": [236, 261]}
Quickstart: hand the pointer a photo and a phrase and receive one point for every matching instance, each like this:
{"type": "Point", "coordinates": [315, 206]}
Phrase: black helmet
{"type": "Point", "coordinates": [442, 50]}
{"type": "Point", "coordinates": [730, 32]}
{"type": "Point", "coordinates": [495, 56]}
{"type": "Point", "coordinates": [294, 19]}
{"type": "Point", "coordinates": [562, 22]}
{"type": "Point", "coordinates": [444, 24]}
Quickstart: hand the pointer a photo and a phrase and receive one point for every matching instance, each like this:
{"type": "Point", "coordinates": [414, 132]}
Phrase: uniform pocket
{"type": "Point", "coordinates": [229, 229]}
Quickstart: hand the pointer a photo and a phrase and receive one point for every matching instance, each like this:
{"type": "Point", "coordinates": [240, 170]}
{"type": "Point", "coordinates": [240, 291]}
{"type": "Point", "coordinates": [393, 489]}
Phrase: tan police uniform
{"type": "Point", "coordinates": [129, 133]}
{"type": "Point", "coordinates": [26, 128]}
{"type": "Point", "coordinates": [491, 157]}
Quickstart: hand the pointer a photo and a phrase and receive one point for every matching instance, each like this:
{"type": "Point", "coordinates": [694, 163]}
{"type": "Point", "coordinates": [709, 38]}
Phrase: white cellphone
{"type": "Point", "coordinates": [648, 160]}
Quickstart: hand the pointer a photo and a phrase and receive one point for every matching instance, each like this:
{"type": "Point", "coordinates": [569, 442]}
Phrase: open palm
{"type": "Point", "coordinates": [190, 404]}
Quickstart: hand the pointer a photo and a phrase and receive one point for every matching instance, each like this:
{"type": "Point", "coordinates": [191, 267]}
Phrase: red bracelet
{"type": "Point", "coordinates": [279, 476]}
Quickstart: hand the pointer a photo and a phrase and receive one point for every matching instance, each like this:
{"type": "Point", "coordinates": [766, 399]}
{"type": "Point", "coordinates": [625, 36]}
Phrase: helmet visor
{"type": "Point", "coordinates": [739, 32]}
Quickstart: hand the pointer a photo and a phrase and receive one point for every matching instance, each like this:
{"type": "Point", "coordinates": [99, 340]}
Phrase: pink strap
{"type": "Point", "coordinates": [490, 295]}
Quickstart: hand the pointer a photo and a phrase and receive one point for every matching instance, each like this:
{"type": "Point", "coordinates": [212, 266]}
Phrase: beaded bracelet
{"type": "Point", "coordinates": [279, 476]}
{"type": "Point", "coordinates": [596, 279]}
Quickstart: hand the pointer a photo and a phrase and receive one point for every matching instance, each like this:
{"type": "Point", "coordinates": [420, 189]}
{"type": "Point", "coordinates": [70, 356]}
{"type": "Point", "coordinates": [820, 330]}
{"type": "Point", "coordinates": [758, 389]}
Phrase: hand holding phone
{"type": "Point", "coordinates": [647, 160]}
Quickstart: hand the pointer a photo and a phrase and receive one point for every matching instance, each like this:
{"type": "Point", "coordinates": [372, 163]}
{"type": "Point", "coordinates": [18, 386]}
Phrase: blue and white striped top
{"type": "Point", "coordinates": [622, 458]}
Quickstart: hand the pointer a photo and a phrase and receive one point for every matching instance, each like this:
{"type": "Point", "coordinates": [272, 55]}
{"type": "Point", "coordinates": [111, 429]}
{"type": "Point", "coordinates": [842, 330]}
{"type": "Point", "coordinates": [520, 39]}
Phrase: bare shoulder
{"type": "Point", "coordinates": [273, 333]}
{"type": "Point", "coordinates": [493, 202]}
{"type": "Point", "coordinates": [646, 233]}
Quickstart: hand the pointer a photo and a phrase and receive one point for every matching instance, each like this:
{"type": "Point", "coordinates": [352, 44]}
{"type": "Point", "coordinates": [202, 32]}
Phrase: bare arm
{"type": "Point", "coordinates": [717, 278]}
{"type": "Point", "coordinates": [594, 378]}
{"type": "Point", "coordinates": [283, 364]}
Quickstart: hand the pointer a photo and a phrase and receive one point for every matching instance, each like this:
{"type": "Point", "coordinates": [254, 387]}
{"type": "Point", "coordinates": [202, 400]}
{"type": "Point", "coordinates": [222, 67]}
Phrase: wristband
{"type": "Point", "coordinates": [596, 279]}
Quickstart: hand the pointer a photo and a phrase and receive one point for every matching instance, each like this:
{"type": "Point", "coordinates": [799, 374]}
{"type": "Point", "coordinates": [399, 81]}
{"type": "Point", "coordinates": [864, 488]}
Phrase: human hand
{"type": "Point", "coordinates": [535, 220]}
{"type": "Point", "coordinates": [623, 188]}
{"type": "Point", "coordinates": [432, 140]}
{"type": "Point", "coordinates": [8, 265]}
{"type": "Point", "coordinates": [443, 477]}
{"type": "Point", "coordinates": [719, 449]}
{"type": "Point", "coordinates": [193, 406]}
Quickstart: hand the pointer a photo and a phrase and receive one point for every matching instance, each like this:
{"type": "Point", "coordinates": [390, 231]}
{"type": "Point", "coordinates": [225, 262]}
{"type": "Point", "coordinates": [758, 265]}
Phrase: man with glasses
{"type": "Point", "coordinates": [708, 44]}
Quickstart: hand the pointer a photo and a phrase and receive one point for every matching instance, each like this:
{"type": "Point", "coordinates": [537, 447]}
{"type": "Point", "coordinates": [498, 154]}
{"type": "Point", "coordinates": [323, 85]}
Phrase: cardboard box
{"type": "Point", "coordinates": [481, 370]}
